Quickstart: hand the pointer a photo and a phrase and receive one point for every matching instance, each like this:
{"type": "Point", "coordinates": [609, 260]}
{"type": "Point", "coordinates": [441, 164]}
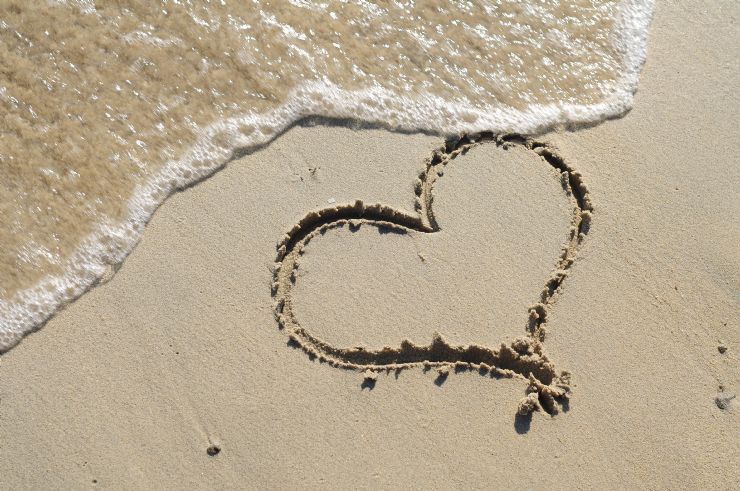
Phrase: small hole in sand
{"type": "Point", "coordinates": [213, 450]}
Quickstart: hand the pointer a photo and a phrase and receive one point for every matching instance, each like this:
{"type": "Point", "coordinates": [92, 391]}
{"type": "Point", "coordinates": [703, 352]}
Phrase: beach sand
{"type": "Point", "coordinates": [179, 352]}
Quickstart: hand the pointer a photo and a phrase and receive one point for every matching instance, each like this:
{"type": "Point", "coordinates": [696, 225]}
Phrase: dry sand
{"type": "Point", "coordinates": [130, 385]}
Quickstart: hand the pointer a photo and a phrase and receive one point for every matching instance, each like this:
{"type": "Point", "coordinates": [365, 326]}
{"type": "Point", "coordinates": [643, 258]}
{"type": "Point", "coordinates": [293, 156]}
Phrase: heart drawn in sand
{"type": "Point", "coordinates": [523, 358]}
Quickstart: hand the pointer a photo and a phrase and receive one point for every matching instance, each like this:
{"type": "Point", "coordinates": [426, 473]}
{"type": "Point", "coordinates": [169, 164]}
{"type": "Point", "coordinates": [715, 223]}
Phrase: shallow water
{"type": "Point", "coordinates": [107, 107]}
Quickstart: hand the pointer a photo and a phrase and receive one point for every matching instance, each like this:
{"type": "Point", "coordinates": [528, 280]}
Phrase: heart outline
{"type": "Point", "coordinates": [523, 358]}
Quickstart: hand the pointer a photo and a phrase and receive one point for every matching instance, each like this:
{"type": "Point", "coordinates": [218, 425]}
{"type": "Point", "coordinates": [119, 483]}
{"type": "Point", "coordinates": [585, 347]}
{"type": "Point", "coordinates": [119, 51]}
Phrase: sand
{"type": "Point", "coordinates": [179, 352]}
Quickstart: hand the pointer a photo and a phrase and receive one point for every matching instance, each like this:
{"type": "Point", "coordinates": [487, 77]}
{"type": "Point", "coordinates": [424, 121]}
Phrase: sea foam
{"type": "Point", "coordinates": [115, 118]}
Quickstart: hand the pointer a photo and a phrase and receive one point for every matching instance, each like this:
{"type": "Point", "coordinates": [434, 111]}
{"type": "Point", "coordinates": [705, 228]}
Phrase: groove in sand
{"type": "Point", "coordinates": [523, 358]}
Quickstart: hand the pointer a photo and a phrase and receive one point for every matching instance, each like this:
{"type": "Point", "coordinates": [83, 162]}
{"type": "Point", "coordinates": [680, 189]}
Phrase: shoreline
{"type": "Point", "coordinates": [218, 144]}
{"type": "Point", "coordinates": [139, 380]}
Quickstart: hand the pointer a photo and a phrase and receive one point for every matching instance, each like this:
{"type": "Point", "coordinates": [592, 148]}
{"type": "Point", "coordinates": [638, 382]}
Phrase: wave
{"type": "Point", "coordinates": [213, 145]}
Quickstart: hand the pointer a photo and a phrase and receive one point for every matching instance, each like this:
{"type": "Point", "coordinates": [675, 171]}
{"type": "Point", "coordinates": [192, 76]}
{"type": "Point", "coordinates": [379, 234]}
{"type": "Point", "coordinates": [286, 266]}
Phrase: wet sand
{"type": "Point", "coordinates": [108, 108]}
{"type": "Point", "coordinates": [180, 352]}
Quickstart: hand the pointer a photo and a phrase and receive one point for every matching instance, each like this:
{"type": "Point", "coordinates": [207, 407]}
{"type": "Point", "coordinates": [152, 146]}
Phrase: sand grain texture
{"type": "Point", "coordinates": [130, 385]}
{"type": "Point", "coordinates": [498, 211]}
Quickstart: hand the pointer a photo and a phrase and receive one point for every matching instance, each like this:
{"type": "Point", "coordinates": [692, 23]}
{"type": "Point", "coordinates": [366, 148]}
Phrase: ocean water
{"type": "Point", "coordinates": [108, 107]}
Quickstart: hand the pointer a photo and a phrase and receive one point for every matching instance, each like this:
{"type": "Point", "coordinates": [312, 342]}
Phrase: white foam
{"type": "Point", "coordinates": [111, 243]}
